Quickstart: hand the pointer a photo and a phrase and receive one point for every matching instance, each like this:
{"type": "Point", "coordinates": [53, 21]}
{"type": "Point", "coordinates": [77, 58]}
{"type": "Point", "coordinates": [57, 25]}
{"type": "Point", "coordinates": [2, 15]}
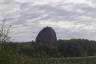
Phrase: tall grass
{"type": "Point", "coordinates": [67, 60]}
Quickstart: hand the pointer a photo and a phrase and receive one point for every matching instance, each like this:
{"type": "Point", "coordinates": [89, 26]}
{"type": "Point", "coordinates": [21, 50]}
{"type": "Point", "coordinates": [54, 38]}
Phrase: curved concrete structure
{"type": "Point", "coordinates": [46, 35]}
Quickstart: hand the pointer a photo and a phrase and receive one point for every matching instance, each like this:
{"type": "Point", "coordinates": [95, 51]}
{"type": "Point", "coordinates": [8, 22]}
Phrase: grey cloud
{"type": "Point", "coordinates": [79, 33]}
{"type": "Point", "coordinates": [59, 14]}
{"type": "Point", "coordinates": [41, 13]}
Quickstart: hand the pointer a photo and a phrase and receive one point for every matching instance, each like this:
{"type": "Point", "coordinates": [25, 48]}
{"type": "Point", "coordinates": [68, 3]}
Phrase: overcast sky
{"type": "Point", "coordinates": [69, 18]}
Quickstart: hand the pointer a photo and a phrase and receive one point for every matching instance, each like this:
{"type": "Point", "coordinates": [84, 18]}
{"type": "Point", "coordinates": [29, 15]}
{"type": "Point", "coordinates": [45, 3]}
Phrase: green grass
{"type": "Point", "coordinates": [68, 60]}
{"type": "Point", "coordinates": [8, 56]}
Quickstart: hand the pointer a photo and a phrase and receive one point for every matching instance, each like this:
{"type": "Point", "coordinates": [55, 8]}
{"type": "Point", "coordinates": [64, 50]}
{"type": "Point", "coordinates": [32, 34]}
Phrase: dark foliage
{"type": "Point", "coordinates": [62, 48]}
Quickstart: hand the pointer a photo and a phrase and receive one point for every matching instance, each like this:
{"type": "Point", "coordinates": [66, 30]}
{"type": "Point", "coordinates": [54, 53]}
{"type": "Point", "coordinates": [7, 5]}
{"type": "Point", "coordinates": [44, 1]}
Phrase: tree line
{"type": "Point", "coordinates": [62, 48]}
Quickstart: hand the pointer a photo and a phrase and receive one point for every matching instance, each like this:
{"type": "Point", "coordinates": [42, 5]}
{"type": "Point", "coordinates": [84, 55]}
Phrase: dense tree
{"type": "Point", "coordinates": [63, 48]}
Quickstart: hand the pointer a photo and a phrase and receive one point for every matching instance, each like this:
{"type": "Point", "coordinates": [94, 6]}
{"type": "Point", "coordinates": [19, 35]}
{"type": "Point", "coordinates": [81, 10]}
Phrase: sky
{"type": "Point", "coordinates": [69, 18]}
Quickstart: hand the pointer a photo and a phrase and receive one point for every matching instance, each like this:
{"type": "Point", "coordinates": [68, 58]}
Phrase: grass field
{"type": "Point", "coordinates": [68, 60]}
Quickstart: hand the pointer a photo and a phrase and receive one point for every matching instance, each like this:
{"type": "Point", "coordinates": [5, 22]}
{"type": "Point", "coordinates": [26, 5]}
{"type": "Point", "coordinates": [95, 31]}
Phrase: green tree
{"type": "Point", "coordinates": [7, 51]}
